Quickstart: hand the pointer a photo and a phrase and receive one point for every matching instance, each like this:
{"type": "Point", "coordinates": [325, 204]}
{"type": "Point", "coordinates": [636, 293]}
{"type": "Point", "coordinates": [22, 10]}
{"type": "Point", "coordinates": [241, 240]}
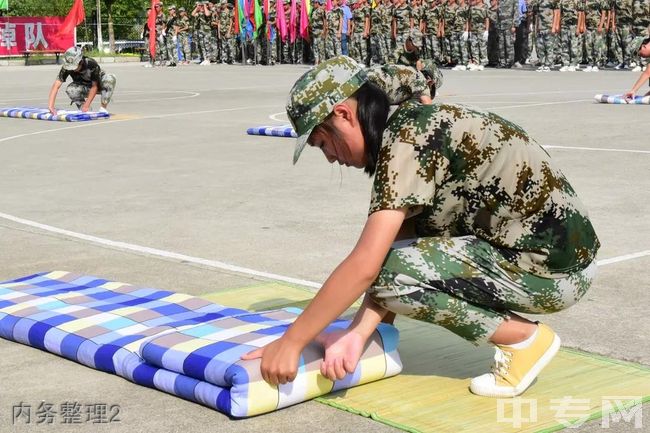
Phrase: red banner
{"type": "Point", "coordinates": [20, 34]}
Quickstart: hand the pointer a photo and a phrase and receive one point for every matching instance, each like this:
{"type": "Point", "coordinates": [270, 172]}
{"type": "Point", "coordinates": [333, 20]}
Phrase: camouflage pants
{"type": "Point", "coordinates": [432, 48]}
{"type": "Point", "coordinates": [227, 52]}
{"type": "Point", "coordinates": [358, 48]}
{"type": "Point", "coordinates": [506, 46]}
{"type": "Point", "coordinates": [79, 92]}
{"type": "Point", "coordinates": [571, 49]}
{"type": "Point", "coordinates": [400, 40]}
{"type": "Point", "coordinates": [378, 50]}
{"type": "Point", "coordinates": [465, 285]}
{"type": "Point", "coordinates": [213, 46]}
{"type": "Point", "coordinates": [184, 41]}
{"type": "Point", "coordinates": [478, 48]}
{"type": "Point", "coordinates": [596, 47]}
{"type": "Point", "coordinates": [318, 48]}
{"type": "Point", "coordinates": [161, 49]}
{"type": "Point", "coordinates": [624, 38]}
{"type": "Point", "coordinates": [203, 44]}
{"type": "Point", "coordinates": [333, 46]}
{"type": "Point", "coordinates": [546, 47]}
{"type": "Point", "coordinates": [172, 50]}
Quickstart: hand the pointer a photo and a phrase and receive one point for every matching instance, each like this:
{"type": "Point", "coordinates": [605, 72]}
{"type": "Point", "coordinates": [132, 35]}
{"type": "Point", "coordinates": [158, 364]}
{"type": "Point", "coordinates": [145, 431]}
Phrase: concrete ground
{"type": "Point", "coordinates": [174, 170]}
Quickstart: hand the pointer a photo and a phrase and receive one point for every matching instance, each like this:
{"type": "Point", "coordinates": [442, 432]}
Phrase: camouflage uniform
{"type": "Point", "coordinates": [546, 41]}
{"type": "Point", "coordinates": [477, 42]}
{"type": "Point", "coordinates": [226, 28]}
{"type": "Point", "coordinates": [161, 40]}
{"type": "Point", "coordinates": [333, 42]}
{"type": "Point", "coordinates": [506, 20]}
{"type": "Point", "coordinates": [83, 80]}
{"type": "Point", "coordinates": [317, 24]}
{"type": "Point", "coordinates": [358, 43]}
{"type": "Point", "coordinates": [203, 26]}
{"type": "Point", "coordinates": [183, 36]}
{"type": "Point", "coordinates": [449, 38]}
{"type": "Point", "coordinates": [432, 48]}
{"type": "Point", "coordinates": [499, 228]}
{"type": "Point", "coordinates": [462, 17]}
{"type": "Point", "coordinates": [171, 39]}
{"type": "Point", "coordinates": [271, 37]}
{"type": "Point", "coordinates": [380, 47]}
{"type": "Point", "coordinates": [640, 28]}
{"type": "Point", "coordinates": [402, 16]}
{"type": "Point", "coordinates": [594, 40]}
{"type": "Point", "coordinates": [399, 82]}
{"type": "Point", "coordinates": [571, 51]}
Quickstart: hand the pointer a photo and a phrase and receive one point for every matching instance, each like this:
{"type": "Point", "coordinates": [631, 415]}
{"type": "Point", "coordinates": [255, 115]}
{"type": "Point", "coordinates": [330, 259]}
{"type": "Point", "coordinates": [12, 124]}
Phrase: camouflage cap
{"type": "Point", "coordinates": [431, 71]}
{"type": "Point", "coordinates": [313, 97]}
{"type": "Point", "coordinates": [416, 38]}
{"type": "Point", "coordinates": [71, 58]}
{"type": "Point", "coordinates": [172, 7]}
{"type": "Point", "coordinates": [181, 9]}
{"type": "Point", "coordinates": [637, 43]}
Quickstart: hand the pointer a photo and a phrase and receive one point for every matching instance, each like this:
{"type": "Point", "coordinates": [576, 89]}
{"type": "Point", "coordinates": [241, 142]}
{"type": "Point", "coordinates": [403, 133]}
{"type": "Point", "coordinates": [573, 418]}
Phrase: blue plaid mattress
{"type": "Point", "coordinates": [177, 343]}
{"type": "Point", "coordinates": [274, 131]}
{"type": "Point", "coordinates": [44, 114]}
{"type": "Point", "coordinates": [620, 99]}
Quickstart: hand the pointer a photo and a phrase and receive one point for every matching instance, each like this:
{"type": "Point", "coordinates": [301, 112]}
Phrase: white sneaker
{"type": "Point", "coordinates": [480, 67]}
{"type": "Point", "coordinates": [517, 65]}
{"type": "Point", "coordinates": [547, 69]}
{"type": "Point", "coordinates": [637, 68]}
{"type": "Point", "coordinates": [571, 69]}
{"type": "Point", "coordinates": [594, 69]}
{"type": "Point", "coordinates": [587, 69]}
{"type": "Point", "coordinates": [632, 65]}
{"type": "Point", "coordinates": [564, 69]}
{"type": "Point", "coordinates": [206, 62]}
{"type": "Point", "coordinates": [103, 110]}
{"type": "Point", "coordinates": [540, 69]}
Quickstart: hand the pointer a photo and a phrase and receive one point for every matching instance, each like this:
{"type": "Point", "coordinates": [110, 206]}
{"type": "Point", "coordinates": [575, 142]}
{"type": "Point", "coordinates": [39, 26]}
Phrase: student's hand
{"type": "Point", "coordinates": [485, 35]}
{"type": "Point", "coordinates": [513, 30]}
{"type": "Point", "coordinates": [342, 352]}
{"type": "Point", "coordinates": [85, 108]}
{"type": "Point", "coordinates": [426, 100]}
{"type": "Point", "coordinates": [279, 361]}
{"type": "Point", "coordinates": [53, 111]}
{"type": "Point", "coordinates": [629, 96]}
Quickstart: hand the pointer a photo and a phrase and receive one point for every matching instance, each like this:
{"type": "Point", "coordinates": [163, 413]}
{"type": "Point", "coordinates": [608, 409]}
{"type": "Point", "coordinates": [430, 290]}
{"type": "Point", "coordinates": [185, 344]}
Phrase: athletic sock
{"type": "Point", "coordinates": [527, 342]}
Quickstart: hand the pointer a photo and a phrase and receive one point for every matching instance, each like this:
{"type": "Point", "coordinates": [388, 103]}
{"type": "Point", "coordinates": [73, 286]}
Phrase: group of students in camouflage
{"type": "Point", "coordinates": [467, 34]}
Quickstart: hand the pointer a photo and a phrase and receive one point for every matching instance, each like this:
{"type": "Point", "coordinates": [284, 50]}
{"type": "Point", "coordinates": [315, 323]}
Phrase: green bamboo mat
{"type": "Point", "coordinates": [432, 395]}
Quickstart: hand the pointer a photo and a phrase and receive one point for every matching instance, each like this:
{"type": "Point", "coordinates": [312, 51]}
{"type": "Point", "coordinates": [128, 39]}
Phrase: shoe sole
{"type": "Point", "coordinates": [527, 380]}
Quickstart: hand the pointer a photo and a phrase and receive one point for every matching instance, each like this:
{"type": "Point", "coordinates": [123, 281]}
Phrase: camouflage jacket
{"type": "Point", "coordinates": [432, 19]}
{"type": "Point", "coordinates": [333, 21]}
{"type": "Point", "coordinates": [569, 12]}
{"type": "Point", "coordinates": [461, 171]}
{"type": "Point", "coordinates": [359, 16]}
{"type": "Point", "coordinates": [161, 21]}
{"type": "Point", "coordinates": [226, 22]}
{"type": "Point", "coordinates": [545, 12]}
{"type": "Point", "coordinates": [399, 82]}
{"type": "Point", "coordinates": [507, 14]}
{"type": "Point", "coordinates": [478, 14]}
{"type": "Point", "coordinates": [593, 10]}
{"type": "Point", "coordinates": [402, 16]}
{"type": "Point", "coordinates": [317, 21]}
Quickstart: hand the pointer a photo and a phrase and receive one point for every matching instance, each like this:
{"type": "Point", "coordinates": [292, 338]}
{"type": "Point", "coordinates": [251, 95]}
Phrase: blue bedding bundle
{"type": "Point", "coordinates": [272, 131]}
{"type": "Point", "coordinates": [180, 344]}
{"type": "Point", "coordinates": [44, 114]}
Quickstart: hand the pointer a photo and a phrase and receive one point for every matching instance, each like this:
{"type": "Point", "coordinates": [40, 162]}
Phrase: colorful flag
{"type": "Point", "coordinates": [4, 4]}
{"type": "Point", "coordinates": [281, 19]}
{"type": "Point", "coordinates": [151, 23]}
{"type": "Point", "coordinates": [305, 12]}
{"type": "Point", "coordinates": [292, 22]}
{"type": "Point", "coordinates": [328, 5]}
{"type": "Point", "coordinates": [257, 18]}
{"type": "Point", "coordinates": [240, 17]}
{"type": "Point", "coordinates": [75, 17]}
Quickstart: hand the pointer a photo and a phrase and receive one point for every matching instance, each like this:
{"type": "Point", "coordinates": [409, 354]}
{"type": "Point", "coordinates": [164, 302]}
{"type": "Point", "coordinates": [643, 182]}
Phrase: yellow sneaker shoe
{"type": "Point", "coordinates": [515, 369]}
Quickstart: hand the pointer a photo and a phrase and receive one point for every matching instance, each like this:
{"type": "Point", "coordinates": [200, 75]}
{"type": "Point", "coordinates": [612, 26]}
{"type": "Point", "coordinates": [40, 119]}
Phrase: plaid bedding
{"type": "Point", "coordinates": [177, 343]}
{"type": "Point", "coordinates": [620, 99]}
{"type": "Point", "coordinates": [273, 131]}
{"type": "Point", "coordinates": [44, 114]}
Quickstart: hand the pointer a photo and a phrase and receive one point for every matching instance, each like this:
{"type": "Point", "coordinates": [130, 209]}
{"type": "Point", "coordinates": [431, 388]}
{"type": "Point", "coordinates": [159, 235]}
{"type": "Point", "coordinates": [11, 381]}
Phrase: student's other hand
{"type": "Point", "coordinates": [485, 35]}
{"type": "Point", "coordinates": [85, 108]}
{"type": "Point", "coordinates": [279, 361]}
{"type": "Point", "coordinates": [342, 352]}
{"type": "Point", "coordinates": [53, 111]}
{"type": "Point", "coordinates": [426, 100]}
{"type": "Point", "coordinates": [629, 96]}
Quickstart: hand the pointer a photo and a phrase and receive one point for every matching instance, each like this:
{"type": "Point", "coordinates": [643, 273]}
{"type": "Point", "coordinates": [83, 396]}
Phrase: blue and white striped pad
{"type": "Point", "coordinates": [44, 114]}
{"type": "Point", "coordinates": [272, 131]}
{"type": "Point", "coordinates": [620, 99]}
{"type": "Point", "coordinates": [180, 344]}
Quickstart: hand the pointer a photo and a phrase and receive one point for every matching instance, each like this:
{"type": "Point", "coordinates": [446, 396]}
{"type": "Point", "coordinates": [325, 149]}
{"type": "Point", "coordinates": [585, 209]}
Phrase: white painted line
{"type": "Point", "coordinates": [160, 253]}
{"type": "Point", "coordinates": [539, 105]}
{"type": "Point", "coordinates": [274, 117]}
{"type": "Point", "coordinates": [124, 246]}
{"type": "Point", "coordinates": [640, 254]}
{"type": "Point", "coordinates": [551, 92]}
{"type": "Point", "coordinates": [106, 122]}
{"type": "Point", "coordinates": [187, 96]}
{"type": "Point", "coordinates": [596, 149]}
